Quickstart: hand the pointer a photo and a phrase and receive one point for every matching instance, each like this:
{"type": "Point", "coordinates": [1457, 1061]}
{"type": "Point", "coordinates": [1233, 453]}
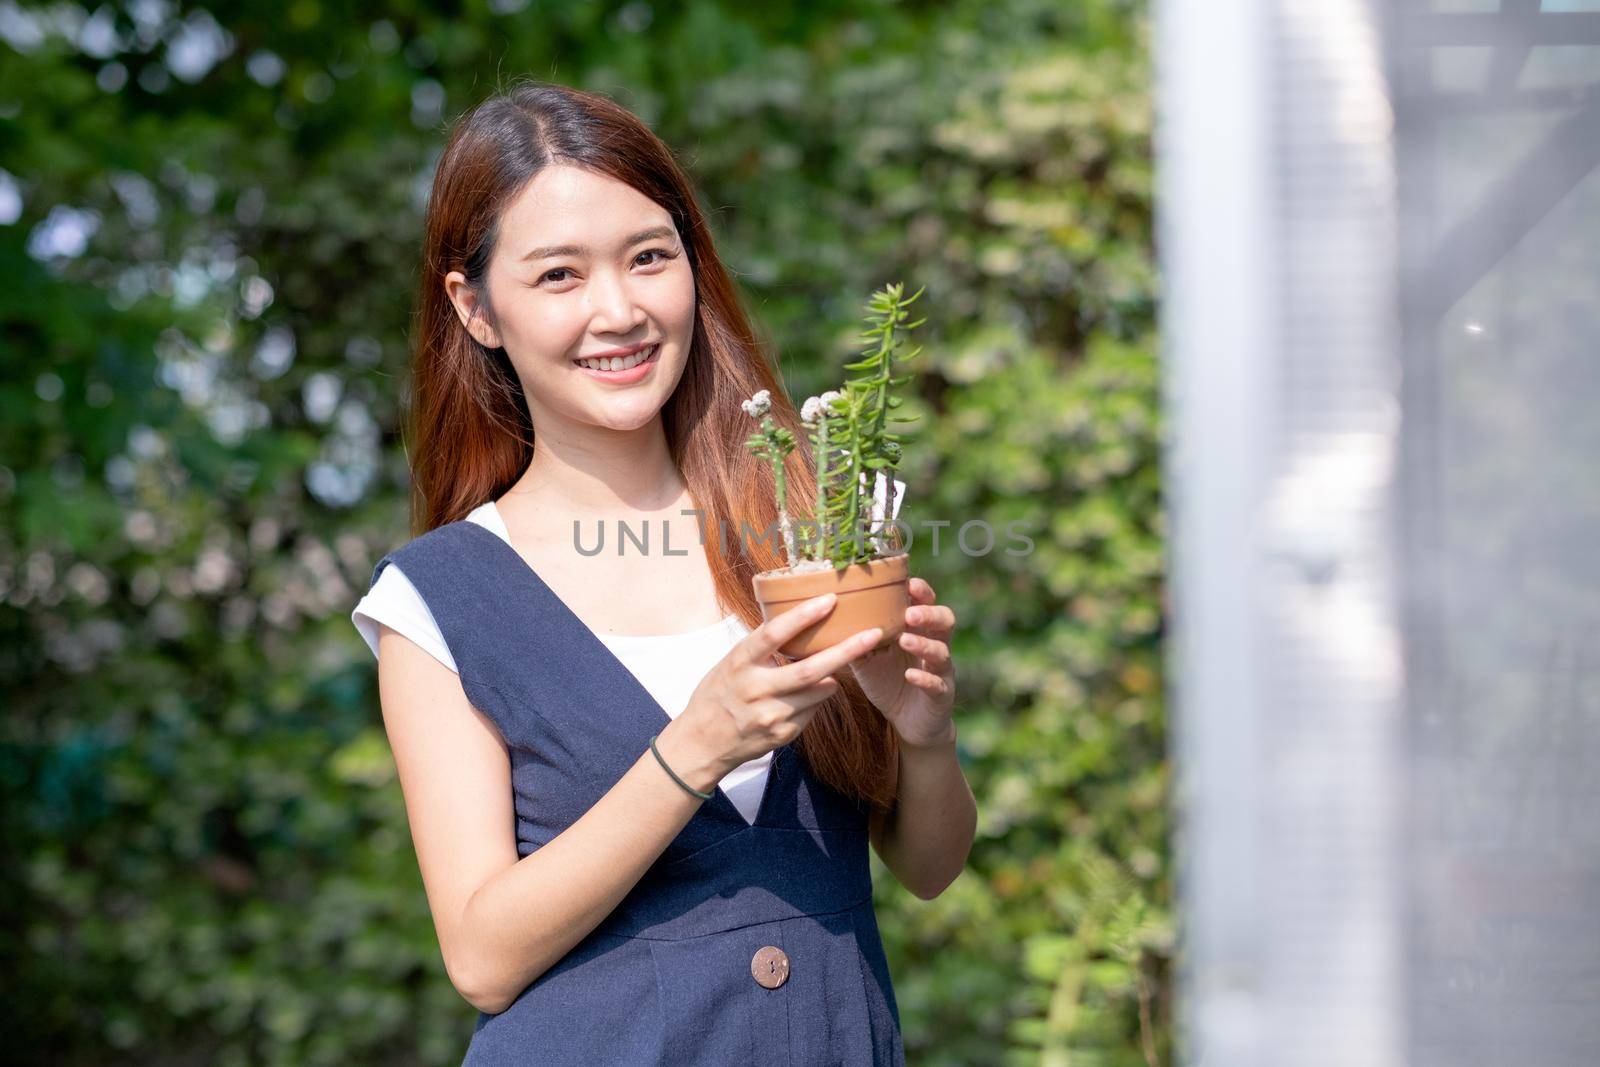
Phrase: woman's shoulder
{"type": "Point", "coordinates": [394, 602]}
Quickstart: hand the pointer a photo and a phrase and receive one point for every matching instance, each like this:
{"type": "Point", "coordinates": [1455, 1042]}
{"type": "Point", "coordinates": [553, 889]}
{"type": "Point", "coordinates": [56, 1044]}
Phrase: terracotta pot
{"type": "Point", "coordinates": [874, 593]}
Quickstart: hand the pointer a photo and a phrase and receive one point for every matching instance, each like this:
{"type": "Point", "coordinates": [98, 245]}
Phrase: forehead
{"type": "Point", "coordinates": [565, 205]}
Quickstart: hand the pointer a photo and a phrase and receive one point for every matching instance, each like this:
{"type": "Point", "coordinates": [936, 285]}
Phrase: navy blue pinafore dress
{"type": "Point", "coordinates": [670, 976]}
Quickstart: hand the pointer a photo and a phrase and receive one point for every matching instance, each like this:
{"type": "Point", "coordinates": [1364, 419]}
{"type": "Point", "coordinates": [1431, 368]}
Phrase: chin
{"type": "Point", "coordinates": [631, 415]}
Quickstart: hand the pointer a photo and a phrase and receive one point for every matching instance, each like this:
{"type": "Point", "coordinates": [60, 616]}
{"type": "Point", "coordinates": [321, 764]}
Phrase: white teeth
{"type": "Point", "coordinates": [619, 362]}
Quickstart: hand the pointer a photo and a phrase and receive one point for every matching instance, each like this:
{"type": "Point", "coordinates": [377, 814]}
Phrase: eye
{"type": "Point", "coordinates": [550, 275]}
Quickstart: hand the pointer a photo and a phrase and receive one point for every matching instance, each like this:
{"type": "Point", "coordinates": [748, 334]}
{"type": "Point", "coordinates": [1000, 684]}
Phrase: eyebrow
{"type": "Point", "coordinates": [551, 251]}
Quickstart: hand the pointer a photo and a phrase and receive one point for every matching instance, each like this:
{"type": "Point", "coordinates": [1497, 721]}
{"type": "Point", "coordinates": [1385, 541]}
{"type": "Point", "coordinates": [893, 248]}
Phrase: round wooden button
{"type": "Point", "coordinates": [770, 966]}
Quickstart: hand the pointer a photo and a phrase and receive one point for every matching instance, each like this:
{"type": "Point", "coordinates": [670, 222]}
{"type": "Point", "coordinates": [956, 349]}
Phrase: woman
{"type": "Point", "coordinates": [642, 832]}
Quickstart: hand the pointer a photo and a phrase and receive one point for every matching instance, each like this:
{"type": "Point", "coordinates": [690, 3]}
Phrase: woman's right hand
{"type": "Point", "coordinates": [750, 704]}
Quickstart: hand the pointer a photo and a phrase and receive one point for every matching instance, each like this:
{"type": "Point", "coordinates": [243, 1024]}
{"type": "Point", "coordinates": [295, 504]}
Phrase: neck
{"type": "Point", "coordinates": [595, 471]}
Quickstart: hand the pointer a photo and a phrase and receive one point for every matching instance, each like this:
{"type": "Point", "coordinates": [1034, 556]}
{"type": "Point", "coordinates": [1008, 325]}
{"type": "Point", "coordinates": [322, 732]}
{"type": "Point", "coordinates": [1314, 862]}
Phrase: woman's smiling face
{"type": "Point", "coordinates": [583, 265]}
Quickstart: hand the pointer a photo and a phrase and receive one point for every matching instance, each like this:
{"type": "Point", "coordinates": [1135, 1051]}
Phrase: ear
{"type": "Point", "coordinates": [469, 310]}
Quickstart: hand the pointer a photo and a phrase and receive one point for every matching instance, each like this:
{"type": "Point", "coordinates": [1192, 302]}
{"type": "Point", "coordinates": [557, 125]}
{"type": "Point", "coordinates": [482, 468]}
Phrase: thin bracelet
{"type": "Point", "coordinates": [662, 760]}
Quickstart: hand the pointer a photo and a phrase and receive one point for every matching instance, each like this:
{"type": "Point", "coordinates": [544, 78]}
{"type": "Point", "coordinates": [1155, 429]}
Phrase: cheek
{"type": "Point", "coordinates": [681, 307]}
{"type": "Point", "coordinates": [538, 330]}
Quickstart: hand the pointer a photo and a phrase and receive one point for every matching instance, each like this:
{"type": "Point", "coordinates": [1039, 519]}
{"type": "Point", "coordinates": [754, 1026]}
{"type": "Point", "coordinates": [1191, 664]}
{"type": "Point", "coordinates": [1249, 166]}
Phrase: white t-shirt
{"type": "Point", "coordinates": [669, 666]}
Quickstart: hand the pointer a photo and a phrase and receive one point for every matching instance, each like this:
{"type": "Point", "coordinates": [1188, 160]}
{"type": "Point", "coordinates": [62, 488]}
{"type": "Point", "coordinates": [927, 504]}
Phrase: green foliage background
{"type": "Point", "coordinates": [205, 854]}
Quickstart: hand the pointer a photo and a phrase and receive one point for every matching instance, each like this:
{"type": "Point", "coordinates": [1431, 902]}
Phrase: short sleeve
{"type": "Point", "coordinates": [395, 602]}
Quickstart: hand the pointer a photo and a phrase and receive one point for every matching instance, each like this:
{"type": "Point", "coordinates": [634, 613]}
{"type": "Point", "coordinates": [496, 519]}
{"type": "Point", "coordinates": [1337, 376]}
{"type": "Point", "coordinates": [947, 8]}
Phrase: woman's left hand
{"type": "Point", "coordinates": [912, 680]}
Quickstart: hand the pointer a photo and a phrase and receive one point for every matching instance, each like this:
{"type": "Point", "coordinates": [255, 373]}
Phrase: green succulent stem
{"type": "Point", "coordinates": [821, 452]}
{"type": "Point", "coordinates": [773, 443]}
{"type": "Point", "coordinates": [867, 402]}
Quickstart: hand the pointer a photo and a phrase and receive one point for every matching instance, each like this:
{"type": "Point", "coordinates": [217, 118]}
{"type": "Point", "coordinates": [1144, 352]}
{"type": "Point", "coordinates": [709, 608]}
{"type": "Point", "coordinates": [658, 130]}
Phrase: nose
{"type": "Point", "coordinates": [612, 305]}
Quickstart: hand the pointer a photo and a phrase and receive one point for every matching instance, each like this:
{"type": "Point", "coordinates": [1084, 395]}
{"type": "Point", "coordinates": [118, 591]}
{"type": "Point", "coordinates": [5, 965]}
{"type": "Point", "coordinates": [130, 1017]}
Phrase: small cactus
{"type": "Point", "coordinates": [849, 437]}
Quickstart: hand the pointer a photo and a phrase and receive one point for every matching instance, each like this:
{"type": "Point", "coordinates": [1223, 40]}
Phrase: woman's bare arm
{"type": "Point", "coordinates": [502, 921]}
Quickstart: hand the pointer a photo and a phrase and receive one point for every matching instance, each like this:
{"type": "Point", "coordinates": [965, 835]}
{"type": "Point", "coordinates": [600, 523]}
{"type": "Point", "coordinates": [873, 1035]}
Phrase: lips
{"type": "Point", "coordinates": [627, 376]}
{"type": "Point", "coordinates": [648, 353]}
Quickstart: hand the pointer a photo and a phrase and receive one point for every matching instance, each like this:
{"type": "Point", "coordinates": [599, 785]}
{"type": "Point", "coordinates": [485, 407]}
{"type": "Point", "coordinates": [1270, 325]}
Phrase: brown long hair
{"type": "Point", "coordinates": [471, 434]}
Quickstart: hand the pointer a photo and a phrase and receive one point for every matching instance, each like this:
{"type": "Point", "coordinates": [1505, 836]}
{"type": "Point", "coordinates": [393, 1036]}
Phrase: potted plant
{"type": "Point", "coordinates": [844, 542]}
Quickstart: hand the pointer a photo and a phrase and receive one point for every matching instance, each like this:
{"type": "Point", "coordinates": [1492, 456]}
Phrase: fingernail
{"type": "Point", "coordinates": [822, 601]}
{"type": "Point", "coordinates": [871, 636]}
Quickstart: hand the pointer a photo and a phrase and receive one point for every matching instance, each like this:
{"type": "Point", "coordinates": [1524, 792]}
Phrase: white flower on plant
{"type": "Point", "coordinates": [758, 405]}
{"type": "Point", "coordinates": [817, 406]}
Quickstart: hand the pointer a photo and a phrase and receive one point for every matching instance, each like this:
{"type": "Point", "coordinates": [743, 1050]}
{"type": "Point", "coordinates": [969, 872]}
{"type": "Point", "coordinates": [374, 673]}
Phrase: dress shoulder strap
{"type": "Point", "coordinates": [469, 591]}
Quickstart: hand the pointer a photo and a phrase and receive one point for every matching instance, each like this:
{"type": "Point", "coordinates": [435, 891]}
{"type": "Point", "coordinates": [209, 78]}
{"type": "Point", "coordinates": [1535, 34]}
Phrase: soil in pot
{"type": "Point", "coordinates": [874, 593]}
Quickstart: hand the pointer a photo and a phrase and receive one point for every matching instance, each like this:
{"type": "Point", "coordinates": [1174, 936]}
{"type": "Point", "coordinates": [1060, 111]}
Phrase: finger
{"type": "Point", "coordinates": [819, 665]}
{"type": "Point", "coordinates": [931, 682]}
{"type": "Point", "coordinates": [764, 640]}
{"type": "Point", "coordinates": [935, 619]}
{"type": "Point", "coordinates": [935, 655]}
{"type": "Point", "coordinates": [815, 693]}
{"type": "Point", "coordinates": [921, 591]}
